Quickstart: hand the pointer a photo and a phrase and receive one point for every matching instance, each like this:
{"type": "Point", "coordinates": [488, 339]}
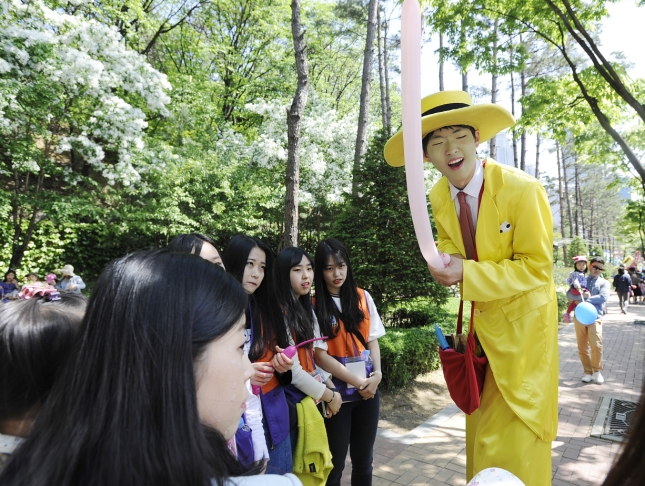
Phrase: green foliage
{"type": "Point", "coordinates": [406, 353]}
{"type": "Point", "coordinates": [562, 303]}
{"type": "Point", "coordinates": [577, 247]}
{"type": "Point", "coordinates": [417, 312]}
{"type": "Point", "coordinates": [596, 251]}
{"type": "Point", "coordinates": [377, 229]}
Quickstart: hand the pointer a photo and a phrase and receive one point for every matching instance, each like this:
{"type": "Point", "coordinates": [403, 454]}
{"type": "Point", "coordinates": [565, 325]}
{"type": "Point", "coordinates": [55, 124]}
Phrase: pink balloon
{"type": "Point", "coordinates": [411, 98]}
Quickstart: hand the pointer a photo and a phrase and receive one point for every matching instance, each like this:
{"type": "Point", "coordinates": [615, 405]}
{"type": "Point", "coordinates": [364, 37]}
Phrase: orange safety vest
{"type": "Point", "coordinates": [347, 345]}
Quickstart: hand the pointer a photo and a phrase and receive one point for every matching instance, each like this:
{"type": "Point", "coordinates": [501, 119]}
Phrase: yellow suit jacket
{"type": "Point", "coordinates": [512, 287]}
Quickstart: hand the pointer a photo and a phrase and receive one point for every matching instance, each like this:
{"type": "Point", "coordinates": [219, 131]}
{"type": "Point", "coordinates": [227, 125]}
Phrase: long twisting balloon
{"type": "Point", "coordinates": [411, 98]}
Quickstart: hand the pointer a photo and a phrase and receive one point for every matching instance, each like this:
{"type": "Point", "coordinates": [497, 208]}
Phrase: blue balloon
{"type": "Point", "coordinates": [586, 313]}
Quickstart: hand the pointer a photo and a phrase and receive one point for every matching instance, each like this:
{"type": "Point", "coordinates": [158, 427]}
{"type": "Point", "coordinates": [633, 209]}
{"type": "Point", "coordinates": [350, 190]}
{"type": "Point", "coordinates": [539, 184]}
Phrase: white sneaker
{"type": "Point", "coordinates": [587, 378]}
{"type": "Point", "coordinates": [597, 377]}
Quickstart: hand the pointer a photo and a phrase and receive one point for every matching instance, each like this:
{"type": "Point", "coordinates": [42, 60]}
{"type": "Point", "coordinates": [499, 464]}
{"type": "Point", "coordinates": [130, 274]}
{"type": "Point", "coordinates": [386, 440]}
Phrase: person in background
{"type": "Point", "coordinates": [69, 281]}
{"type": "Point", "coordinates": [32, 278]}
{"type": "Point", "coordinates": [10, 286]}
{"type": "Point", "coordinates": [155, 387]}
{"type": "Point", "coordinates": [36, 338]}
{"type": "Point", "coordinates": [635, 290]}
{"type": "Point", "coordinates": [198, 244]}
{"type": "Point", "coordinates": [622, 284]}
{"type": "Point", "coordinates": [577, 279]}
{"type": "Point", "coordinates": [591, 336]}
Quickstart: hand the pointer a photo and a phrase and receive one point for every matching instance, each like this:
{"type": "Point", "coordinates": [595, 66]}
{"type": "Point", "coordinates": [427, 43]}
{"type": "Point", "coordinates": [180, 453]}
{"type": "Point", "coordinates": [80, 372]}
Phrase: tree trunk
{"type": "Point", "coordinates": [294, 120]}
{"type": "Point", "coordinates": [387, 76]}
{"type": "Point", "coordinates": [579, 204]}
{"type": "Point", "coordinates": [493, 89]}
{"type": "Point", "coordinates": [441, 61]}
{"type": "Point", "coordinates": [523, 137]}
{"type": "Point", "coordinates": [537, 157]}
{"type": "Point", "coordinates": [363, 115]}
{"type": "Point", "coordinates": [381, 73]}
{"type": "Point", "coordinates": [515, 158]}
{"type": "Point", "coordinates": [561, 196]}
{"type": "Point", "coordinates": [566, 191]}
{"type": "Point", "coordinates": [464, 81]}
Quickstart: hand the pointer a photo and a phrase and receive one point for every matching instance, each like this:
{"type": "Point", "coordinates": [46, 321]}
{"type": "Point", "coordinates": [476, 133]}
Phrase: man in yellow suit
{"type": "Point", "coordinates": [510, 282]}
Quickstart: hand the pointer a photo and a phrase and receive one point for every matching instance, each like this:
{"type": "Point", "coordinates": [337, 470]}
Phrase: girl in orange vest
{"type": "Point", "coordinates": [294, 279]}
{"type": "Point", "coordinates": [250, 261]}
{"type": "Point", "coordinates": [348, 316]}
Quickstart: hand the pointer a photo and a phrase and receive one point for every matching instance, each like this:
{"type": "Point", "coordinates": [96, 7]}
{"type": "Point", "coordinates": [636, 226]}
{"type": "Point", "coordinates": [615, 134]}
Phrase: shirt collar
{"type": "Point", "coordinates": [473, 188]}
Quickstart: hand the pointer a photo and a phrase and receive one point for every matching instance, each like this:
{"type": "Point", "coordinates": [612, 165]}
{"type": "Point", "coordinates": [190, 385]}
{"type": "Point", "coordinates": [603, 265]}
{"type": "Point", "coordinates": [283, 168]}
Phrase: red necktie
{"type": "Point", "coordinates": [466, 223]}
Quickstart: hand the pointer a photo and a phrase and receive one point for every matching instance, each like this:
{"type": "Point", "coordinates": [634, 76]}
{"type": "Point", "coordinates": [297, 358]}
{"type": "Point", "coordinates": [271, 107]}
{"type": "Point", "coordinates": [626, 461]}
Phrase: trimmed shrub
{"type": "Point", "coordinates": [406, 353]}
{"type": "Point", "coordinates": [418, 312]}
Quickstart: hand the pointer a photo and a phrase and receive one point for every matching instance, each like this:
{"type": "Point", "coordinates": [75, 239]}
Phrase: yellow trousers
{"type": "Point", "coordinates": [496, 437]}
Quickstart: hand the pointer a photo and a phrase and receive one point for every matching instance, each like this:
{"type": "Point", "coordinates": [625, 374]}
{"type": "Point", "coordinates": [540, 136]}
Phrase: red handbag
{"type": "Point", "coordinates": [464, 372]}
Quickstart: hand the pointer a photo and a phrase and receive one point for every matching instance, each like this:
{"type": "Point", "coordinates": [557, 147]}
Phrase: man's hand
{"type": "Point", "coordinates": [452, 274]}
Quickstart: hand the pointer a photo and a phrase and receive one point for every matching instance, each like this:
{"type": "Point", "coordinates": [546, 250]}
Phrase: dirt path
{"type": "Point", "coordinates": [405, 409]}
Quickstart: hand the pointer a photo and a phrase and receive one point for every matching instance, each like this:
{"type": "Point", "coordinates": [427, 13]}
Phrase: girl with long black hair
{"type": "Point", "coordinates": [198, 244]}
{"type": "Point", "coordinates": [294, 278]}
{"type": "Point", "coordinates": [155, 387]}
{"type": "Point", "coordinates": [250, 261]}
{"type": "Point", "coordinates": [349, 317]}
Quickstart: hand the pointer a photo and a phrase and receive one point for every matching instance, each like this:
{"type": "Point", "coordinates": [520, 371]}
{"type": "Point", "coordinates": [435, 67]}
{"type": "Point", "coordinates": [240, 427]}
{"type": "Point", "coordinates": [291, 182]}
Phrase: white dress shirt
{"type": "Point", "coordinates": [472, 190]}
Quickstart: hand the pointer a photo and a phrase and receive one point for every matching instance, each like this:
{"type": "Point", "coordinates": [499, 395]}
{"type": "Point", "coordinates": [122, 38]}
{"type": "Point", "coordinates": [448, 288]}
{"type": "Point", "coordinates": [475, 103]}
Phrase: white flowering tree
{"type": "Point", "coordinates": [73, 107]}
{"type": "Point", "coordinates": [326, 152]}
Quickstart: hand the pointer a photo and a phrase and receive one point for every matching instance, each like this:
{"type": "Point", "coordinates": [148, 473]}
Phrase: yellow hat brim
{"type": "Point", "coordinates": [488, 118]}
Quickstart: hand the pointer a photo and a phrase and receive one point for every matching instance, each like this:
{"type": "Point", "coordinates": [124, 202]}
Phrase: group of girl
{"type": "Point", "coordinates": [338, 325]}
{"type": "Point", "coordinates": [152, 385]}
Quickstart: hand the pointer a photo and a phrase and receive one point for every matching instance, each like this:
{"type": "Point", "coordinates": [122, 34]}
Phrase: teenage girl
{"type": "Point", "coordinates": [348, 316]}
{"type": "Point", "coordinates": [154, 388]}
{"type": "Point", "coordinates": [250, 261]}
{"type": "Point", "coordinates": [294, 278]}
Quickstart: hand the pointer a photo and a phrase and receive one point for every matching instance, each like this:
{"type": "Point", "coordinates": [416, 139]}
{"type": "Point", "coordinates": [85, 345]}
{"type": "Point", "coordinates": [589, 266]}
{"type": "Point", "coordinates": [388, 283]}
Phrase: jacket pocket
{"type": "Point", "coordinates": [526, 303]}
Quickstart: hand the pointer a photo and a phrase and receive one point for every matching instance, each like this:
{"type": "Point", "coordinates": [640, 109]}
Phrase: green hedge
{"type": "Point", "coordinates": [418, 312]}
{"type": "Point", "coordinates": [406, 353]}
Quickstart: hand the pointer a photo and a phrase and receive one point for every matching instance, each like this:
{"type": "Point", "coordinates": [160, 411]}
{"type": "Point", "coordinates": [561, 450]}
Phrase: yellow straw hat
{"type": "Point", "coordinates": [449, 108]}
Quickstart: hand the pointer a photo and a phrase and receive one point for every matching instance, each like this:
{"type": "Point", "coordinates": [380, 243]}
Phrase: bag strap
{"type": "Point", "coordinates": [460, 318]}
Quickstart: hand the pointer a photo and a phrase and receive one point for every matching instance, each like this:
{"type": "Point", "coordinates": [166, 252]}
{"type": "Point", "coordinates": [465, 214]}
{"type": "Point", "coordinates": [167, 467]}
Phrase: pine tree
{"type": "Point", "coordinates": [376, 227]}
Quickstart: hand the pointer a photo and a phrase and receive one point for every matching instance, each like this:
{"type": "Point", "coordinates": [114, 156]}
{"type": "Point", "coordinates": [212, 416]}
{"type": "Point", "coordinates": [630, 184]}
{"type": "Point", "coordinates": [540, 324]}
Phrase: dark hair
{"type": "Point", "coordinates": [426, 138]}
{"type": "Point", "coordinates": [264, 311]}
{"type": "Point", "coordinates": [621, 271]}
{"type": "Point", "coordinates": [191, 243]}
{"type": "Point", "coordinates": [125, 409]}
{"type": "Point", "coordinates": [297, 309]}
{"type": "Point", "coordinates": [597, 260]}
{"type": "Point", "coordinates": [36, 339]}
{"type": "Point", "coordinates": [628, 468]}
{"type": "Point", "coordinates": [8, 272]}
{"type": "Point", "coordinates": [326, 311]}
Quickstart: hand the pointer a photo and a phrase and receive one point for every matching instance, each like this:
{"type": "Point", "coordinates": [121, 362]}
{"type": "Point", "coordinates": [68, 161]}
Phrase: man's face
{"type": "Point", "coordinates": [596, 269]}
{"type": "Point", "coordinates": [452, 151]}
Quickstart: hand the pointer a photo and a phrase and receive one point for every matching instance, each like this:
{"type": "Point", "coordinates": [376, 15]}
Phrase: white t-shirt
{"type": "Point", "coordinates": [254, 413]}
{"type": "Point", "coordinates": [377, 329]}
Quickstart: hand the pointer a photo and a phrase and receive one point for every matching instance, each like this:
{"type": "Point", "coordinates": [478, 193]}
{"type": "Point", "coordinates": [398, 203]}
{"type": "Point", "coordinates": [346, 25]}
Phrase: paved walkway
{"type": "Point", "coordinates": [434, 453]}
